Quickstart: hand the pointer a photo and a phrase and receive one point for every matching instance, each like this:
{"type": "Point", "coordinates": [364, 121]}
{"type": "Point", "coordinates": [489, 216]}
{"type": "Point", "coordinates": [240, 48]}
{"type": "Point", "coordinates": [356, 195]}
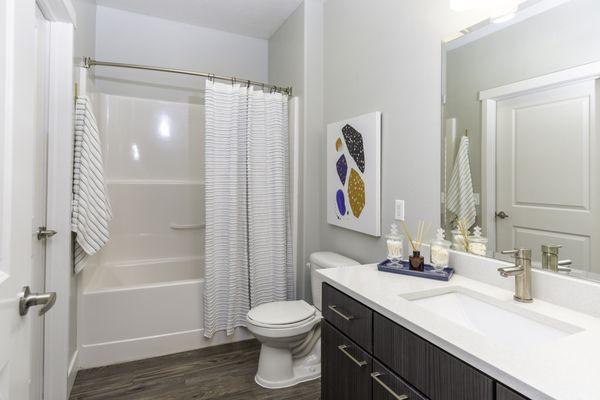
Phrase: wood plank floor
{"type": "Point", "coordinates": [221, 372]}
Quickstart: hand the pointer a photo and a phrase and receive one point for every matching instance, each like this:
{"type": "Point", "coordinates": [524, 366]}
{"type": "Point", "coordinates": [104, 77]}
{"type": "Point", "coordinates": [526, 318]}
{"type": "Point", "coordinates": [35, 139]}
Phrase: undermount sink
{"type": "Point", "coordinates": [504, 322]}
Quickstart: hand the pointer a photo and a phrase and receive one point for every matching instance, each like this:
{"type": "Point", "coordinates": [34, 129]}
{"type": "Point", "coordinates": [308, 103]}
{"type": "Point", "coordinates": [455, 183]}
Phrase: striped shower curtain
{"type": "Point", "coordinates": [248, 232]}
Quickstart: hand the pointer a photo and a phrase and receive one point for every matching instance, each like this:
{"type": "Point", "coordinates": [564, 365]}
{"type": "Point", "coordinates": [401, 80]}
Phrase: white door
{"type": "Point", "coordinates": [19, 360]}
{"type": "Point", "coordinates": [547, 173]}
{"type": "Point", "coordinates": [38, 278]}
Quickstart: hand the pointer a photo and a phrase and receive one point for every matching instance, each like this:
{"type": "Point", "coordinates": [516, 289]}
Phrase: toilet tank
{"type": "Point", "coordinates": [325, 259]}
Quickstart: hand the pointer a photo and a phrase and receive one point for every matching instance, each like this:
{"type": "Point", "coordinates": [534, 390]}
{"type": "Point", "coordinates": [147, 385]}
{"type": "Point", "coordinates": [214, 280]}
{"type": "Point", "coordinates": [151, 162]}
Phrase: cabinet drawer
{"type": "Point", "coordinates": [504, 393]}
{"type": "Point", "coordinates": [432, 371]}
{"type": "Point", "coordinates": [387, 386]}
{"type": "Point", "coordinates": [345, 367]}
{"type": "Point", "coordinates": [349, 316]}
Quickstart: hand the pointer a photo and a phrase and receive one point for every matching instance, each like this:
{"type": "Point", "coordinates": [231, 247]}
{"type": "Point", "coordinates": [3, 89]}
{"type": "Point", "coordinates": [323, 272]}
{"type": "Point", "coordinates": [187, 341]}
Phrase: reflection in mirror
{"type": "Point", "coordinates": [521, 152]}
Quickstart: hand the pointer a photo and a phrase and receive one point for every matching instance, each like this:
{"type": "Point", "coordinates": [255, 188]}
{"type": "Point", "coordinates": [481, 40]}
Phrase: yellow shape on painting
{"type": "Point", "coordinates": [338, 144]}
{"type": "Point", "coordinates": [356, 193]}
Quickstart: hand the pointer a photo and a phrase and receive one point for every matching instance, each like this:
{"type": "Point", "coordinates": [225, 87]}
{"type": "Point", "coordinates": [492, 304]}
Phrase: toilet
{"type": "Point", "coordinates": [290, 331]}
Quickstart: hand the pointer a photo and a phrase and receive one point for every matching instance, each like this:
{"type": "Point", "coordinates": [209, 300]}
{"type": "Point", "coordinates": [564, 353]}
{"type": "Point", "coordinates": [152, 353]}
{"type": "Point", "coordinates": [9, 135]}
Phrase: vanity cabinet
{"type": "Point", "coordinates": [349, 316]}
{"type": "Point", "coordinates": [434, 372]}
{"type": "Point", "coordinates": [504, 393]}
{"type": "Point", "coordinates": [345, 367]}
{"type": "Point", "coordinates": [366, 356]}
{"type": "Point", "coordinates": [388, 386]}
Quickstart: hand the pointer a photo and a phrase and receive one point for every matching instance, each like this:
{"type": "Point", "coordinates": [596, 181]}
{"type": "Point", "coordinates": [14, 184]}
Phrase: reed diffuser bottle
{"type": "Point", "coordinates": [416, 260]}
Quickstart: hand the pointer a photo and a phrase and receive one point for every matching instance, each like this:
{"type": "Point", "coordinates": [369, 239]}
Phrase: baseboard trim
{"type": "Point", "coordinates": [101, 354]}
{"type": "Point", "coordinates": [72, 371]}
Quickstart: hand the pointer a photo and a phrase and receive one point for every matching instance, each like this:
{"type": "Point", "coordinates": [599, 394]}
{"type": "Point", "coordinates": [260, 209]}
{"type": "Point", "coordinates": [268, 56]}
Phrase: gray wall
{"type": "Point", "coordinates": [128, 37]}
{"type": "Point", "coordinates": [85, 31]}
{"type": "Point", "coordinates": [385, 55]}
{"type": "Point", "coordinates": [563, 37]}
{"type": "Point", "coordinates": [286, 68]}
{"type": "Point", "coordinates": [296, 58]}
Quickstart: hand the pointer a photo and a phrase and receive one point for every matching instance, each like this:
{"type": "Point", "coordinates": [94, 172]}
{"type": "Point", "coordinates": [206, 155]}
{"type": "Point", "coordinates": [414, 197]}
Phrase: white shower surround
{"type": "Point", "coordinates": [142, 295]}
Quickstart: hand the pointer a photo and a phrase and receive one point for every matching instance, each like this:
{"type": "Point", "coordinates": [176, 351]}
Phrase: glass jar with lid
{"type": "Point", "coordinates": [440, 251]}
{"type": "Point", "coordinates": [478, 243]}
{"type": "Point", "coordinates": [395, 245]}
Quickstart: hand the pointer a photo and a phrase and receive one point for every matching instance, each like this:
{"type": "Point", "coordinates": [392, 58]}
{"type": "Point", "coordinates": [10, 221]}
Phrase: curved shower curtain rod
{"type": "Point", "coordinates": [90, 62]}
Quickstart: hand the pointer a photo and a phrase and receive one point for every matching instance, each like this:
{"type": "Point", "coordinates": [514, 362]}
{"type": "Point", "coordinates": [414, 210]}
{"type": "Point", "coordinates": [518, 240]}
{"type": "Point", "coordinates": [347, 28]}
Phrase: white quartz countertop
{"type": "Point", "coordinates": [567, 368]}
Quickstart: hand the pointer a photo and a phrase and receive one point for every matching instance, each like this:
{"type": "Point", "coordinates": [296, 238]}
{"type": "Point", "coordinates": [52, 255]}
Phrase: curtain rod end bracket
{"type": "Point", "coordinates": [86, 62]}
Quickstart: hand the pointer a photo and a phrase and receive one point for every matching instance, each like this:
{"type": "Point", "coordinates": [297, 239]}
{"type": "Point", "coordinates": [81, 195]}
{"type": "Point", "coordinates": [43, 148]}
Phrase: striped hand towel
{"type": "Point", "coordinates": [461, 200]}
{"type": "Point", "coordinates": [91, 208]}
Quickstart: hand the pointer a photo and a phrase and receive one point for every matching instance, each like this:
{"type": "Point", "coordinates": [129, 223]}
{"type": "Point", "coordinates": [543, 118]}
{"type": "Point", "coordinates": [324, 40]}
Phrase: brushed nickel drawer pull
{"type": "Point", "coordinates": [376, 375]}
{"type": "Point", "coordinates": [343, 348]}
{"type": "Point", "coordinates": [333, 308]}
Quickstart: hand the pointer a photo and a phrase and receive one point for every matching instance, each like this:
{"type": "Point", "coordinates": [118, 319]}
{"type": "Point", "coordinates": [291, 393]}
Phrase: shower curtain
{"type": "Point", "coordinates": [248, 232]}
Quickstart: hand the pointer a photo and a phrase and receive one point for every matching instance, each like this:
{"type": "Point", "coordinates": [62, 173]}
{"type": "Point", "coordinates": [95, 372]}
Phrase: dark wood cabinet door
{"type": "Point", "coordinates": [504, 393]}
{"type": "Point", "coordinates": [345, 367]}
{"type": "Point", "coordinates": [351, 317]}
{"type": "Point", "coordinates": [432, 371]}
{"type": "Point", "coordinates": [387, 386]}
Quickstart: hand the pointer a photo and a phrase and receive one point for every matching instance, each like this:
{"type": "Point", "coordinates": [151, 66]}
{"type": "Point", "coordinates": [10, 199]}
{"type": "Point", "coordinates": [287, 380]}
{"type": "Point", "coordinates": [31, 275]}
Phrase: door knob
{"type": "Point", "coordinates": [44, 233]}
{"type": "Point", "coordinates": [28, 299]}
{"type": "Point", "coordinates": [501, 215]}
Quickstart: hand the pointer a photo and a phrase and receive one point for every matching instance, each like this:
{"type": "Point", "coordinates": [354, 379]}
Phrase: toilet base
{"type": "Point", "coordinates": [278, 369]}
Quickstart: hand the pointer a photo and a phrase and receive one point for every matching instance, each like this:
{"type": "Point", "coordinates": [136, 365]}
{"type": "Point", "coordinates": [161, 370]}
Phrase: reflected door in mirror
{"type": "Point", "coordinates": [545, 176]}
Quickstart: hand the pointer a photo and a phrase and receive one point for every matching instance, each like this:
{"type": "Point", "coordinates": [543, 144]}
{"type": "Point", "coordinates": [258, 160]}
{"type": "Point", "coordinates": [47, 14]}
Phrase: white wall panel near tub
{"type": "Point", "coordinates": [152, 139]}
{"type": "Point", "coordinates": [144, 214]}
{"type": "Point", "coordinates": [127, 318]}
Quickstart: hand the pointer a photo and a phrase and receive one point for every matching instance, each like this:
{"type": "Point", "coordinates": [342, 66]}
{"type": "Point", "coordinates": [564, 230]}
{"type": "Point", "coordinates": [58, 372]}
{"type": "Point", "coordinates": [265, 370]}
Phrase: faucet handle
{"type": "Point", "coordinates": [564, 265]}
{"type": "Point", "coordinates": [519, 253]}
{"type": "Point", "coordinates": [551, 248]}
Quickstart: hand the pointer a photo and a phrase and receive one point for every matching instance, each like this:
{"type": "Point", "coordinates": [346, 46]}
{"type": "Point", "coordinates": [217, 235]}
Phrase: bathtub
{"type": "Point", "coordinates": [136, 310]}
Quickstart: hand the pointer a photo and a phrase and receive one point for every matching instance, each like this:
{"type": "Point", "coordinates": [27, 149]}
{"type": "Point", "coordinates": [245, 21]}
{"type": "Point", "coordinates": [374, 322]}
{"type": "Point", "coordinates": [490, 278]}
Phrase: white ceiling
{"type": "Point", "coordinates": [255, 18]}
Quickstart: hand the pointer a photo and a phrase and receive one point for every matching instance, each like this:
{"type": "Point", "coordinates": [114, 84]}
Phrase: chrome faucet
{"type": "Point", "coordinates": [550, 259]}
{"type": "Point", "coordinates": [522, 273]}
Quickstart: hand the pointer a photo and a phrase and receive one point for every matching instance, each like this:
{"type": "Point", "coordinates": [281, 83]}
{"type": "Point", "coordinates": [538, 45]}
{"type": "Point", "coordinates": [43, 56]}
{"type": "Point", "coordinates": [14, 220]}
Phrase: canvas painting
{"type": "Point", "coordinates": [354, 173]}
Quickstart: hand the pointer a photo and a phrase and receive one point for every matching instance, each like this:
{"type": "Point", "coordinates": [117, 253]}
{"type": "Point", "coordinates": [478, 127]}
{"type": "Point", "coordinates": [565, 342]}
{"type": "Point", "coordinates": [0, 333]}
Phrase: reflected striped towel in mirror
{"type": "Point", "coordinates": [91, 207]}
{"type": "Point", "coordinates": [461, 200]}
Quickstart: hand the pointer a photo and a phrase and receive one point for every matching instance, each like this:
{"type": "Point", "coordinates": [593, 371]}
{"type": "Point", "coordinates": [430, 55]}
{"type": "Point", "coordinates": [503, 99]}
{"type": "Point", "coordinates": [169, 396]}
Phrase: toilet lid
{"type": "Point", "coordinates": [282, 312]}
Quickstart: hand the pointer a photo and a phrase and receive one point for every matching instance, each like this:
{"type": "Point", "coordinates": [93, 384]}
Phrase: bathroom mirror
{"type": "Point", "coordinates": [520, 117]}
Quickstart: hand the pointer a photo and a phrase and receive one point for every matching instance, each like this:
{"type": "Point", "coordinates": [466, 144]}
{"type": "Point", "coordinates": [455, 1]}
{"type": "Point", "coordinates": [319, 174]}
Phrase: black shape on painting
{"type": "Point", "coordinates": [354, 143]}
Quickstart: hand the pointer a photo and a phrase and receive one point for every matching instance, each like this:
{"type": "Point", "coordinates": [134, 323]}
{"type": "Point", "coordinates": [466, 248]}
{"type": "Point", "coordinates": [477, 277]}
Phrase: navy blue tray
{"type": "Point", "coordinates": [404, 269]}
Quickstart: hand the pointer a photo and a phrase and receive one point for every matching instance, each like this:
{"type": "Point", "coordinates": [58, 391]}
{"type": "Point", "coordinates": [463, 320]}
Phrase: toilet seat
{"type": "Point", "coordinates": [282, 314]}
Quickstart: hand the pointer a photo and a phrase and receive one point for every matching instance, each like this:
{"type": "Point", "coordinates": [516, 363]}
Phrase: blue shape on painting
{"type": "Point", "coordinates": [341, 202]}
{"type": "Point", "coordinates": [342, 168]}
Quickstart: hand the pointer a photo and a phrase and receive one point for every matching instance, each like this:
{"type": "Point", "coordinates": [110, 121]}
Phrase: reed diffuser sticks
{"type": "Point", "coordinates": [421, 233]}
{"type": "Point", "coordinates": [417, 262]}
{"type": "Point", "coordinates": [464, 231]}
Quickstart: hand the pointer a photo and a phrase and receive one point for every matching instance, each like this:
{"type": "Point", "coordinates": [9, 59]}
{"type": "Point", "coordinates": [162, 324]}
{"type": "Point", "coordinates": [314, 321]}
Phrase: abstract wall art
{"type": "Point", "coordinates": [354, 173]}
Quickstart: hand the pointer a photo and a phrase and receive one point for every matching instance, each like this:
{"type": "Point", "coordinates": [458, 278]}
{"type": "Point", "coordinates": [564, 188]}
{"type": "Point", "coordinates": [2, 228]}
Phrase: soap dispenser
{"type": "Point", "coordinates": [440, 251]}
{"type": "Point", "coordinates": [395, 245]}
